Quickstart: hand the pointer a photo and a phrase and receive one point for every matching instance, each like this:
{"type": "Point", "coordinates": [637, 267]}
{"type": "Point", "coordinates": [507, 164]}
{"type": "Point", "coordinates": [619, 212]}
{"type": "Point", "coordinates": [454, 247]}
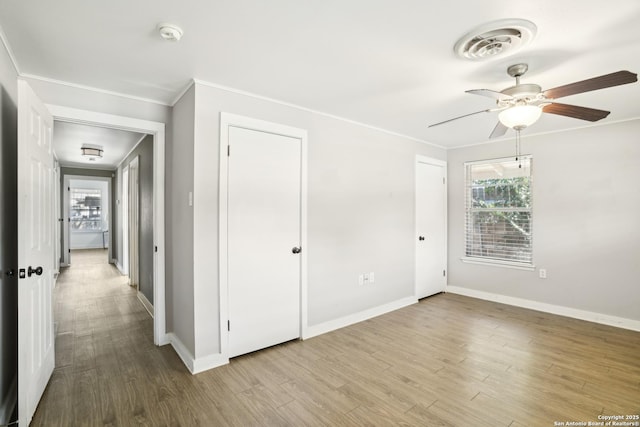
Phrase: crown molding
{"type": "Point", "coordinates": [310, 110]}
{"type": "Point", "coordinates": [7, 47]}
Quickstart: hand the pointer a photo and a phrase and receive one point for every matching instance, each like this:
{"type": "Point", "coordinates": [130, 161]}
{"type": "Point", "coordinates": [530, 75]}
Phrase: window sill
{"type": "Point", "coordinates": [498, 263]}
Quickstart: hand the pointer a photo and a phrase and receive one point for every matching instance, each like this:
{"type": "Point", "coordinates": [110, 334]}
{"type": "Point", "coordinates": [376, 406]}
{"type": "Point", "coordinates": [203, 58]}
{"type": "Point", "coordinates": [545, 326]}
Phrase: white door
{"type": "Point", "coordinates": [134, 226]}
{"type": "Point", "coordinates": [431, 227]}
{"type": "Point", "coordinates": [124, 206]}
{"type": "Point", "coordinates": [35, 251]}
{"type": "Point", "coordinates": [264, 213]}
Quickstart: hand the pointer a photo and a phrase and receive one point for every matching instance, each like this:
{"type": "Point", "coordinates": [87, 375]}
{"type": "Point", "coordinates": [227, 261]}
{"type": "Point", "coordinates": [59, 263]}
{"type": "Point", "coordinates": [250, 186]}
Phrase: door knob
{"type": "Point", "coordinates": [37, 271]}
{"type": "Point", "coordinates": [421, 238]}
{"type": "Point", "coordinates": [296, 250]}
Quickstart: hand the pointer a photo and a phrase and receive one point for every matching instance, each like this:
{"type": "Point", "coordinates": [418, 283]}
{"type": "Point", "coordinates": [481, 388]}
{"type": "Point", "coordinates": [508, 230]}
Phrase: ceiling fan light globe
{"type": "Point", "coordinates": [520, 116]}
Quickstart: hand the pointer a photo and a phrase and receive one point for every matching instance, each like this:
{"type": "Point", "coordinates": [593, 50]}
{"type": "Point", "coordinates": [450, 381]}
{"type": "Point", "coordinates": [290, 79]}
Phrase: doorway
{"type": "Point", "coordinates": [87, 219]}
{"type": "Point", "coordinates": [157, 131]}
{"type": "Point", "coordinates": [431, 226]}
{"type": "Point", "coordinates": [262, 234]}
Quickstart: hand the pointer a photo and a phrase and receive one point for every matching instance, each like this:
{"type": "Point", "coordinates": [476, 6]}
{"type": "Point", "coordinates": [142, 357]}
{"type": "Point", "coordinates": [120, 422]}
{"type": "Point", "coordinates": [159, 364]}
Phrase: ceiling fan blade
{"type": "Point", "coordinates": [499, 130]}
{"type": "Point", "coordinates": [489, 93]}
{"type": "Point", "coordinates": [460, 117]}
{"type": "Point", "coordinates": [601, 82]}
{"type": "Point", "coordinates": [582, 113]}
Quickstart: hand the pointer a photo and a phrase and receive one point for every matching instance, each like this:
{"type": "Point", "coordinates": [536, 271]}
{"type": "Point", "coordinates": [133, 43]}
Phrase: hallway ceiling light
{"type": "Point", "coordinates": [170, 32]}
{"type": "Point", "coordinates": [92, 153]}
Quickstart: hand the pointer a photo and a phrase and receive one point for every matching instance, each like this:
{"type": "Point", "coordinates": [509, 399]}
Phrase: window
{"type": "Point", "coordinates": [86, 209]}
{"type": "Point", "coordinates": [498, 211]}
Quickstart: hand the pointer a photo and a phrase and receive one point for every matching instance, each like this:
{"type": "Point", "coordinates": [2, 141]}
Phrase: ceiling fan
{"type": "Point", "coordinates": [521, 105]}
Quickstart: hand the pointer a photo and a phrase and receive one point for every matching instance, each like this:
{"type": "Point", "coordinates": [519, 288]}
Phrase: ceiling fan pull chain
{"type": "Point", "coordinates": [518, 157]}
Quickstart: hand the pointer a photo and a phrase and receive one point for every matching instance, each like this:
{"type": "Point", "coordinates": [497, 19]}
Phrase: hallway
{"type": "Point", "coordinates": [105, 356]}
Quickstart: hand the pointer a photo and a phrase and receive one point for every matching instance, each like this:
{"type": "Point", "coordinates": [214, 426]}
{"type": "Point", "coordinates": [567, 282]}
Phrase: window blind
{"type": "Point", "coordinates": [498, 210]}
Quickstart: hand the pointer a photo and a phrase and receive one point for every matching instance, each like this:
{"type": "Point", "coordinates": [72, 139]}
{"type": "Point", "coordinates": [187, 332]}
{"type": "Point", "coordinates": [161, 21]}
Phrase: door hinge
{"type": "Point", "coordinates": [68, 188]}
{"type": "Point", "coordinates": [155, 248]}
{"type": "Point", "coordinates": [444, 273]}
{"type": "Point", "coordinates": [229, 325]}
{"type": "Point", "coordinates": [228, 150]}
{"type": "Point", "coordinates": [69, 250]}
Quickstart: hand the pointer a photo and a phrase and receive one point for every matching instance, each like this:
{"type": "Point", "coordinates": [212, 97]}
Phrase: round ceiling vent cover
{"type": "Point", "coordinates": [495, 39]}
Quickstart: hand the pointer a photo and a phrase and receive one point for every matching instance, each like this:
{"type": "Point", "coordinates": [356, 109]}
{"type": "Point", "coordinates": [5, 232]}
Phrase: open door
{"type": "Point", "coordinates": [133, 221]}
{"type": "Point", "coordinates": [36, 221]}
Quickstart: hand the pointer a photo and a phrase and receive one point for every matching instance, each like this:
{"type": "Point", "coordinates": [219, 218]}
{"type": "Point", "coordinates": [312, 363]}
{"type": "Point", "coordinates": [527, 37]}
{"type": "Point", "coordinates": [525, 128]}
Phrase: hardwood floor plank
{"type": "Point", "coordinates": [446, 361]}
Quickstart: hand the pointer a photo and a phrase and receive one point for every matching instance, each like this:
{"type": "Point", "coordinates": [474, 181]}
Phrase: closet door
{"type": "Point", "coordinates": [431, 227]}
{"type": "Point", "coordinates": [264, 214]}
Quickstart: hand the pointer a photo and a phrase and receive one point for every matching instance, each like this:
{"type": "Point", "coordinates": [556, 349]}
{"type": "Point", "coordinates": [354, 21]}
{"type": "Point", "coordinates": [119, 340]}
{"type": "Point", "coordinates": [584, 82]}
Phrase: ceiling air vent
{"type": "Point", "coordinates": [495, 39]}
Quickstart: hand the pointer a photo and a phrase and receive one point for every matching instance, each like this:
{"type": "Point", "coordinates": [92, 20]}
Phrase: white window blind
{"type": "Point", "coordinates": [498, 210]}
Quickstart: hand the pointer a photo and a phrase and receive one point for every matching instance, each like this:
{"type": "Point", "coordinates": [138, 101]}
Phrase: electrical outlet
{"type": "Point", "coordinates": [543, 273]}
{"type": "Point", "coordinates": [372, 277]}
{"type": "Point", "coordinates": [361, 279]}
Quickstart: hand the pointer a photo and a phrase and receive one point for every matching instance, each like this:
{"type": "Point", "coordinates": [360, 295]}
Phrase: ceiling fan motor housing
{"type": "Point", "coordinates": [528, 93]}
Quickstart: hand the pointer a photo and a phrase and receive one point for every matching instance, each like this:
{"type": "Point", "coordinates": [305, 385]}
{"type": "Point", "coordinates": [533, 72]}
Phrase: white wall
{"type": "Point", "coordinates": [586, 221]}
{"type": "Point", "coordinates": [180, 297]}
{"type": "Point", "coordinates": [360, 210]}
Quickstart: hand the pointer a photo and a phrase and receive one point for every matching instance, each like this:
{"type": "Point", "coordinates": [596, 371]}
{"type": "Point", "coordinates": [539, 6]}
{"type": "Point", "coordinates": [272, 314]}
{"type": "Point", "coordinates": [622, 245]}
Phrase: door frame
{"type": "Point", "coordinates": [443, 164]}
{"type": "Point", "coordinates": [157, 130]}
{"type": "Point", "coordinates": [227, 120]}
{"type": "Point", "coordinates": [65, 211]}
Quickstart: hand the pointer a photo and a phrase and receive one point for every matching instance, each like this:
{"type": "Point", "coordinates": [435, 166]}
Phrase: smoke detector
{"type": "Point", "coordinates": [170, 32]}
{"type": "Point", "coordinates": [495, 39]}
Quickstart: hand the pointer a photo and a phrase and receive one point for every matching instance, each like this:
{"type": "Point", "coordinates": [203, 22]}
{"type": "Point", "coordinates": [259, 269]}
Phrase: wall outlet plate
{"type": "Point", "coordinates": [542, 273]}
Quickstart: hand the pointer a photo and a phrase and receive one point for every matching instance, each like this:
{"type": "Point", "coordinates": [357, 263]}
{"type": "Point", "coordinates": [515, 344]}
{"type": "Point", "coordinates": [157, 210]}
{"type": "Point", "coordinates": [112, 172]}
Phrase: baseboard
{"type": "Point", "coordinates": [332, 325]}
{"type": "Point", "coordinates": [9, 402]}
{"type": "Point", "coordinates": [147, 305]}
{"type": "Point", "coordinates": [119, 267]}
{"type": "Point", "coordinates": [211, 361]}
{"type": "Point", "coordinates": [195, 366]}
{"type": "Point", "coordinates": [164, 340]}
{"type": "Point", "coordinates": [590, 316]}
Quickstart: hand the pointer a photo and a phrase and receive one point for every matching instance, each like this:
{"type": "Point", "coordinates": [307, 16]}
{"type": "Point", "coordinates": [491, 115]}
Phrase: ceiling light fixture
{"type": "Point", "coordinates": [170, 32]}
{"type": "Point", "coordinates": [92, 153]}
{"type": "Point", "coordinates": [520, 116]}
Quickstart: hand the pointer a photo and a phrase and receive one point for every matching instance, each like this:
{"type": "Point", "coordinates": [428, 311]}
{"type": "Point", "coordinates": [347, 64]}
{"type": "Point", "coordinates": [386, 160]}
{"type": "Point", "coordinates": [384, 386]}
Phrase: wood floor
{"type": "Point", "coordinates": [449, 360]}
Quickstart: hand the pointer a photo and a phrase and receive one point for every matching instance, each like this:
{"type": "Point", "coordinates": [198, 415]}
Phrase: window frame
{"type": "Point", "coordinates": [490, 261]}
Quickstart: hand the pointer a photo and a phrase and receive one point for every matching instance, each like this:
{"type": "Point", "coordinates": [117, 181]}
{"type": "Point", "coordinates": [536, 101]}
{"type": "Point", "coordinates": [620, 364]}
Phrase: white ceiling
{"type": "Point", "coordinates": [68, 138]}
{"type": "Point", "coordinates": [383, 63]}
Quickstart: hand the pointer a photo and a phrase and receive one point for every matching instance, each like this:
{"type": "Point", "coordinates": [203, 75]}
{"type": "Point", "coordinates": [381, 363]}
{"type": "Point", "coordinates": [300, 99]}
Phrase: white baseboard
{"type": "Point", "coordinates": [590, 316]}
{"type": "Point", "coordinates": [194, 365]}
{"type": "Point", "coordinates": [143, 299]}
{"type": "Point", "coordinates": [332, 325]}
{"type": "Point", "coordinates": [9, 402]}
{"type": "Point", "coordinates": [164, 340]}
{"type": "Point", "coordinates": [119, 267]}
